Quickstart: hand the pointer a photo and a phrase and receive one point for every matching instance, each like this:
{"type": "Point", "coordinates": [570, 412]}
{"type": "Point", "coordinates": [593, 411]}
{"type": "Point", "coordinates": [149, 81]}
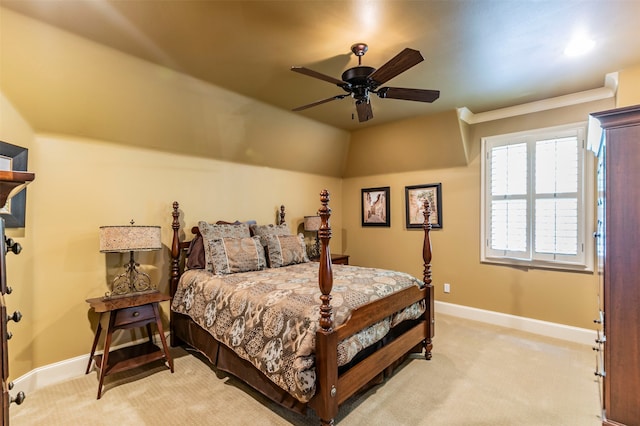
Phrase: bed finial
{"type": "Point", "coordinates": [281, 215]}
{"type": "Point", "coordinates": [325, 275]}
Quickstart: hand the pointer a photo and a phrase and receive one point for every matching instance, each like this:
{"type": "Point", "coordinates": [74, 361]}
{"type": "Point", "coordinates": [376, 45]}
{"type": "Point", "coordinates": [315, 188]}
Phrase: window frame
{"type": "Point", "coordinates": [584, 260]}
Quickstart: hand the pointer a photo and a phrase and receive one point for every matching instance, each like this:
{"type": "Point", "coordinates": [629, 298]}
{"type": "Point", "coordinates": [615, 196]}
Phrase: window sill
{"type": "Point", "coordinates": [527, 264]}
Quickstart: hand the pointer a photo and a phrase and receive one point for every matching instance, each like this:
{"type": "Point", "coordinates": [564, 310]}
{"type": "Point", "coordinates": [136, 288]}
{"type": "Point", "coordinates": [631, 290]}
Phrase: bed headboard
{"type": "Point", "coordinates": [195, 231]}
{"type": "Point", "coordinates": [179, 248]}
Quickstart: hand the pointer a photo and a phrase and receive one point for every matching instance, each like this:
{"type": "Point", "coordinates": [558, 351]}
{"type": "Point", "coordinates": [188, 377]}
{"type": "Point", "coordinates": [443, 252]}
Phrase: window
{"type": "Point", "coordinates": [537, 201]}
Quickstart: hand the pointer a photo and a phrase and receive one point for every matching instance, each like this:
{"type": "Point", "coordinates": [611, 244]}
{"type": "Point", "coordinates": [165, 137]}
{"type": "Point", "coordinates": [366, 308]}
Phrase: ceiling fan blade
{"type": "Point", "coordinates": [396, 65]}
{"type": "Point", "coordinates": [333, 98]}
{"type": "Point", "coordinates": [364, 110]}
{"type": "Point", "coordinates": [316, 74]}
{"type": "Point", "coordinates": [419, 95]}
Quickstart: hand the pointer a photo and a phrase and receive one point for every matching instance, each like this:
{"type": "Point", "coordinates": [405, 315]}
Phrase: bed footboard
{"type": "Point", "coordinates": [333, 389]}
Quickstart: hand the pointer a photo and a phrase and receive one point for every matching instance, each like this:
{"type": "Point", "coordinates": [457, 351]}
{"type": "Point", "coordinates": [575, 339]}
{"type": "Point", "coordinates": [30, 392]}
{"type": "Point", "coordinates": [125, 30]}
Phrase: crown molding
{"type": "Point", "coordinates": [609, 90]}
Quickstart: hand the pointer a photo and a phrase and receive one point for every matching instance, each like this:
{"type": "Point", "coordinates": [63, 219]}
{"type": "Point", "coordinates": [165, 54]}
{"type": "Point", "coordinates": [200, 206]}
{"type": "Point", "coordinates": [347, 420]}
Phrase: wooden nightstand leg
{"type": "Point", "coordinates": [150, 333]}
{"type": "Point", "coordinates": [95, 344]}
{"type": "Point", "coordinates": [162, 338]}
{"type": "Point", "coordinates": [105, 355]}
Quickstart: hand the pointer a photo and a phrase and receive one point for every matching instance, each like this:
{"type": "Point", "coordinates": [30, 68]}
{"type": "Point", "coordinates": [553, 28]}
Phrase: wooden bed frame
{"type": "Point", "coordinates": [333, 385]}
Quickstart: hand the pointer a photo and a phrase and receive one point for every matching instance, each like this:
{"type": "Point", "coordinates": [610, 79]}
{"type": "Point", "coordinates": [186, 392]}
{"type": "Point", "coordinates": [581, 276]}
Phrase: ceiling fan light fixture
{"type": "Point", "coordinates": [360, 94]}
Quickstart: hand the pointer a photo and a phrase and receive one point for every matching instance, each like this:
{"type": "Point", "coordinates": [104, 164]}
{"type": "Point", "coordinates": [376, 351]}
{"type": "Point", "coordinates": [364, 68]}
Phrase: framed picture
{"type": "Point", "coordinates": [375, 207]}
{"type": "Point", "coordinates": [14, 158]}
{"type": "Point", "coordinates": [415, 196]}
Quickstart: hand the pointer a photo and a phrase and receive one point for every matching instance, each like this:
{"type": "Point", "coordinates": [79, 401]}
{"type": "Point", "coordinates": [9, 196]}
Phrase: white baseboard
{"type": "Point", "coordinates": [61, 371]}
{"type": "Point", "coordinates": [76, 367]}
{"type": "Point", "coordinates": [50, 374]}
{"type": "Point", "coordinates": [545, 328]}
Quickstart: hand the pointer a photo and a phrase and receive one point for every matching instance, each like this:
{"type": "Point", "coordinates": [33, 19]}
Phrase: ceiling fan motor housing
{"type": "Point", "coordinates": [358, 79]}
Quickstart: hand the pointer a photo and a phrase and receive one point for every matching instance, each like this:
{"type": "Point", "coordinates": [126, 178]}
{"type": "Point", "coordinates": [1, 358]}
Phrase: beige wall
{"type": "Point", "coordinates": [629, 86]}
{"type": "Point", "coordinates": [82, 184]}
{"type": "Point", "coordinates": [428, 142]}
{"type": "Point", "coordinates": [561, 297]}
{"type": "Point", "coordinates": [103, 132]}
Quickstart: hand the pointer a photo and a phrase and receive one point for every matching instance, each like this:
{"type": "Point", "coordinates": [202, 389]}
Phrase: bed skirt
{"type": "Point", "coordinates": [224, 359]}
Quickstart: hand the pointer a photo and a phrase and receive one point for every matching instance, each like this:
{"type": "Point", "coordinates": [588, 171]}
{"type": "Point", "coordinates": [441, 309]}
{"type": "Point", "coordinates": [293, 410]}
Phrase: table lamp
{"type": "Point", "coordinates": [312, 224]}
{"type": "Point", "coordinates": [122, 239]}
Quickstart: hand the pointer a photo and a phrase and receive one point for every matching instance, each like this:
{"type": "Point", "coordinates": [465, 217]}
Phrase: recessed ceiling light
{"type": "Point", "coordinates": [579, 46]}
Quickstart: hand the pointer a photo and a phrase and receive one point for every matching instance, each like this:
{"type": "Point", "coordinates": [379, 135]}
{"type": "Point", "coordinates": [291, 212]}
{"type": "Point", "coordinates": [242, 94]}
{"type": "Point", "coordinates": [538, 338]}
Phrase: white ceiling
{"type": "Point", "coordinates": [481, 54]}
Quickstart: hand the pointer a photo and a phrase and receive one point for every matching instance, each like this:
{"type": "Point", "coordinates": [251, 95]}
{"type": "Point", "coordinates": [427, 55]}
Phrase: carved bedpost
{"type": "Point", "coordinates": [281, 215]}
{"type": "Point", "coordinates": [326, 339]}
{"type": "Point", "coordinates": [175, 262]}
{"type": "Point", "coordinates": [426, 248]}
{"type": "Point", "coordinates": [426, 257]}
{"type": "Point", "coordinates": [326, 274]}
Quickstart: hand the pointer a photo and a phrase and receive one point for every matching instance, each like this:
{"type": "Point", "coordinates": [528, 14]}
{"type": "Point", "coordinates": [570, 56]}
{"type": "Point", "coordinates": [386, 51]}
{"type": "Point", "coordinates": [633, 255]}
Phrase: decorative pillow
{"type": "Point", "coordinates": [231, 255]}
{"type": "Point", "coordinates": [286, 250]}
{"type": "Point", "coordinates": [212, 232]}
{"type": "Point", "coordinates": [263, 230]}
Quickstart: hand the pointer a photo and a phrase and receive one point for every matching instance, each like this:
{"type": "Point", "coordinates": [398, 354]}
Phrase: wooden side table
{"type": "Point", "coordinates": [336, 259]}
{"type": "Point", "coordinates": [121, 313]}
{"type": "Point", "coordinates": [340, 259]}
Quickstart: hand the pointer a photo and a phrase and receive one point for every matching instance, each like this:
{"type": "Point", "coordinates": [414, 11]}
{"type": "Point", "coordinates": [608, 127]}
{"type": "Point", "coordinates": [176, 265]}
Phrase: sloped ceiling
{"type": "Point", "coordinates": [481, 54]}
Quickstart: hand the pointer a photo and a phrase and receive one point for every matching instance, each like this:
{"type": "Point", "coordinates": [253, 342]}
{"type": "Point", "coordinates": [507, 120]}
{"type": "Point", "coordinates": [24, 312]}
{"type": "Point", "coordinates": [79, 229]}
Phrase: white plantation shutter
{"type": "Point", "coordinates": [556, 226]}
{"type": "Point", "coordinates": [509, 203]}
{"type": "Point", "coordinates": [509, 230]}
{"type": "Point", "coordinates": [533, 206]}
{"type": "Point", "coordinates": [556, 194]}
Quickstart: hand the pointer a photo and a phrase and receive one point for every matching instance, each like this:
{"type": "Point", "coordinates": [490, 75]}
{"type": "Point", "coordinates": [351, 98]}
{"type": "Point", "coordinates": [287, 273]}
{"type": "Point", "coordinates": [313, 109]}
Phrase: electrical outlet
{"type": "Point", "coordinates": [447, 288]}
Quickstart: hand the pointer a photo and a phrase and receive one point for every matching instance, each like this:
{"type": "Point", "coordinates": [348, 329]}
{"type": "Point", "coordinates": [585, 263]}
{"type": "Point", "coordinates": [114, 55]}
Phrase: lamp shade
{"type": "Point", "coordinates": [312, 223]}
{"type": "Point", "coordinates": [121, 239]}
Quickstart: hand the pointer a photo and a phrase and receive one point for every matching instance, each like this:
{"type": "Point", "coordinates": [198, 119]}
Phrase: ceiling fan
{"type": "Point", "coordinates": [359, 82]}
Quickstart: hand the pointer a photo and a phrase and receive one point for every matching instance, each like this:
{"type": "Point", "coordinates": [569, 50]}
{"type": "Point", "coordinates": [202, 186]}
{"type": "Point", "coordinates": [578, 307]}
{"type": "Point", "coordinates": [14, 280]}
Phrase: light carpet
{"type": "Point", "coordinates": [479, 375]}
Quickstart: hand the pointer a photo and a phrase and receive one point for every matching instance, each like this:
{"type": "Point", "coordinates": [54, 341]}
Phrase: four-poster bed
{"type": "Point", "coordinates": [359, 325]}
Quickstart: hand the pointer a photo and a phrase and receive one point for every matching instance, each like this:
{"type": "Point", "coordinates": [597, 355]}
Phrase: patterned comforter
{"type": "Point", "coordinates": [270, 317]}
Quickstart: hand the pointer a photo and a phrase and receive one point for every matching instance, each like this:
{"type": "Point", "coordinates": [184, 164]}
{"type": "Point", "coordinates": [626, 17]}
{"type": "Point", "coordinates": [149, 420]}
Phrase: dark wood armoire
{"type": "Point", "coordinates": [10, 184]}
{"type": "Point", "coordinates": [619, 264]}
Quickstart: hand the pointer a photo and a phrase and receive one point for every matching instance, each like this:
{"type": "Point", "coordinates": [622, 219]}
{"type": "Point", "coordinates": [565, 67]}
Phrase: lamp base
{"type": "Point", "coordinates": [316, 247]}
{"type": "Point", "coordinates": [313, 250]}
{"type": "Point", "coordinates": [131, 281]}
